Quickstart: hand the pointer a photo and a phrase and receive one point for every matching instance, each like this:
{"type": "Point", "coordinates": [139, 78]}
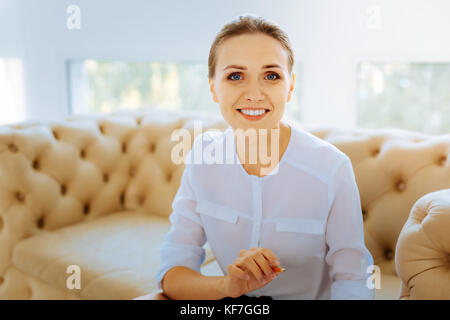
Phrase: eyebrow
{"type": "Point", "coordinates": [267, 66]}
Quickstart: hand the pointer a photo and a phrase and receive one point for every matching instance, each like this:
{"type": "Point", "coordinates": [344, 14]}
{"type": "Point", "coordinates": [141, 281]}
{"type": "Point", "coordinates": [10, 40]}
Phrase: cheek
{"type": "Point", "coordinates": [279, 94]}
{"type": "Point", "coordinates": [227, 94]}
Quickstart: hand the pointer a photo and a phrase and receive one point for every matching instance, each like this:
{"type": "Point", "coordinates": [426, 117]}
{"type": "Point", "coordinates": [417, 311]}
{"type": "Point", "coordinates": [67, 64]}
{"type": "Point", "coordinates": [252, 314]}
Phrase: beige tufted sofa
{"type": "Point", "coordinates": [95, 191]}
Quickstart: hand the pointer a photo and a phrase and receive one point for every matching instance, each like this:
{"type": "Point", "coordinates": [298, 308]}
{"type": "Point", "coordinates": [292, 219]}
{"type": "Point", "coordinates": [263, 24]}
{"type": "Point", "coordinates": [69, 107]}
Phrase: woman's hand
{"type": "Point", "coordinates": [250, 271]}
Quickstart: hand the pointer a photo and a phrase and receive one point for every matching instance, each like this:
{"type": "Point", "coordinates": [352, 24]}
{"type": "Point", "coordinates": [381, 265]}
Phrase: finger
{"type": "Point", "coordinates": [242, 252]}
{"type": "Point", "coordinates": [270, 256]}
{"type": "Point", "coordinates": [249, 264]}
{"type": "Point", "coordinates": [237, 272]}
{"type": "Point", "coordinates": [263, 264]}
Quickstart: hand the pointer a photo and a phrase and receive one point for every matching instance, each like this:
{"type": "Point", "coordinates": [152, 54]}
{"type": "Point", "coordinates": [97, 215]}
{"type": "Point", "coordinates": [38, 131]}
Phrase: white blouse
{"type": "Point", "coordinates": [307, 211]}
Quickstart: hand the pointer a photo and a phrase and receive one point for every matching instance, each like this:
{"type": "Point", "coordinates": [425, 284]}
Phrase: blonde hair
{"type": "Point", "coordinates": [248, 25]}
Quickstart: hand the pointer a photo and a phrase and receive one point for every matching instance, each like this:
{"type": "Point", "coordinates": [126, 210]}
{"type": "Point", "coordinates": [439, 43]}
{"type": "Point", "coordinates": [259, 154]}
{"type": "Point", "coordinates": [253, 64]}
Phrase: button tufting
{"type": "Point", "coordinates": [102, 130]}
{"type": "Point", "coordinates": [442, 160]}
{"type": "Point", "coordinates": [63, 189]}
{"type": "Point", "coordinates": [12, 147]}
{"type": "Point", "coordinates": [36, 164]}
{"type": "Point", "coordinates": [169, 176]}
{"type": "Point", "coordinates": [40, 222]}
{"type": "Point", "coordinates": [124, 147]}
{"type": "Point", "coordinates": [86, 209]}
{"type": "Point", "coordinates": [364, 214]}
{"type": "Point", "coordinates": [122, 198]}
{"type": "Point", "coordinates": [19, 196]}
{"type": "Point", "coordinates": [105, 178]}
{"type": "Point", "coordinates": [82, 153]}
{"type": "Point", "coordinates": [388, 254]}
{"type": "Point", "coordinates": [55, 134]}
{"type": "Point", "coordinates": [401, 186]}
{"type": "Point", "coordinates": [152, 147]}
{"type": "Point", "coordinates": [375, 152]}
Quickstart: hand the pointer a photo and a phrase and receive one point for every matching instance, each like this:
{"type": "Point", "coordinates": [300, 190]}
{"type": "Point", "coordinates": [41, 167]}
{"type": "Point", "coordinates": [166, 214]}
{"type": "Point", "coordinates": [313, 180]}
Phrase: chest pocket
{"type": "Point", "coordinates": [223, 232]}
{"type": "Point", "coordinates": [217, 211]}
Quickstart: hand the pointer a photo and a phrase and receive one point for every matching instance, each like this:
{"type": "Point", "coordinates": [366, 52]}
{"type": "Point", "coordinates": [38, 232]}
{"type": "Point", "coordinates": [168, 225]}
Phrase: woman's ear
{"type": "Point", "coordinates": [213, 91]}
{"type": "Point", "coordinates": [291, 87]}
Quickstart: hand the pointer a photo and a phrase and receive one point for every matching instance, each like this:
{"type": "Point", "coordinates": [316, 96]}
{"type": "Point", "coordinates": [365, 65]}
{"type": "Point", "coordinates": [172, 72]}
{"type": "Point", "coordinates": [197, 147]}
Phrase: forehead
{"type": "Point", "coordinates": [251, 50]}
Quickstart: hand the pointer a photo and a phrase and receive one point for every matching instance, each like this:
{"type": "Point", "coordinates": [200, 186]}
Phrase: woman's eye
{"type": "Point", "coordinates": [272, 76]}
{"type": "Point", "coordinates": [234, 76]}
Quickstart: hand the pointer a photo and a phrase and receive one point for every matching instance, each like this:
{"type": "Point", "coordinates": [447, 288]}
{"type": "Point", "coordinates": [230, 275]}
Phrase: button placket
{"type": "Point", "coordinates": [257, 212]}
{"type": "Point", "coordinates": [257, 217]}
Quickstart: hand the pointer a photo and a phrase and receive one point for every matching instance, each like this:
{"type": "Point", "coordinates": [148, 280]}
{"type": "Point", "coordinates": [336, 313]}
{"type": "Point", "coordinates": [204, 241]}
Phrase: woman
{"type": "Point", "coordinates": [301, 211]}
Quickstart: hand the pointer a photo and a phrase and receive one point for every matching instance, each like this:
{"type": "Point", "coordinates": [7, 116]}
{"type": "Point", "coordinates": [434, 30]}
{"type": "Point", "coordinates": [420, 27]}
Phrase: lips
{"type": "Point", "coordinates": [258, 108]}
{"type": "Point", "coordinates": [252, 114]}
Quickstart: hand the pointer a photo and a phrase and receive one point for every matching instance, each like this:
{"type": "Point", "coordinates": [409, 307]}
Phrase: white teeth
{"type": "Point", "coordinates": [253, 112]}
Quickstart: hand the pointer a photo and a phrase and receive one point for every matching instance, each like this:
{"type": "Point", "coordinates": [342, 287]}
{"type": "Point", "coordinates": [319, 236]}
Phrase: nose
{"type": "Point", "coordinates": [254, 92]}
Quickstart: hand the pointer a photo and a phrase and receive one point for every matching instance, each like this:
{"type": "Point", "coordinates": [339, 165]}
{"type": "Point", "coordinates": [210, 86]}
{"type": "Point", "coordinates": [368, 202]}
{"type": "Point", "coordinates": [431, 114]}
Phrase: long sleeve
{"type": "Point", "coordinates": [183, 244]}
{"type": "Point", "coordinates": [347, 254]}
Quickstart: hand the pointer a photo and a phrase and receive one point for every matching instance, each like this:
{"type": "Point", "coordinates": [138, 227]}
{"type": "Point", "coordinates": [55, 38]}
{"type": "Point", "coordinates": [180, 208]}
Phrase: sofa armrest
{"type": "Point", "coordinates": [423, 249]}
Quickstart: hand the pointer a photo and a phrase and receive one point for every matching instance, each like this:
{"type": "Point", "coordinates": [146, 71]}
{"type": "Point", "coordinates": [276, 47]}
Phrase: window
{"type": "Point", "coordinates": [12, 108]}
{"type": "Point", "coordinates": [411, 96]}
{"type": "Point", "coordinates": [103, 86]}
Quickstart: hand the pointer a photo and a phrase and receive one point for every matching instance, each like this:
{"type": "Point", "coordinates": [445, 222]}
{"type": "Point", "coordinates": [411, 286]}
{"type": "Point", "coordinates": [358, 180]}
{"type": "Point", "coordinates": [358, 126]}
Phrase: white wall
{"type": "Point", "coordinates": [329, 38]}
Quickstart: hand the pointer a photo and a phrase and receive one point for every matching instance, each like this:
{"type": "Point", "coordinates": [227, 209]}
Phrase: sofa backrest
{"type": "Point", "coordinates": [393, 169]}
{"type": "Point", "coordinates": [54, 174]}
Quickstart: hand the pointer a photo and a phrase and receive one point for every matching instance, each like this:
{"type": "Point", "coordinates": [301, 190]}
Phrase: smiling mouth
{"type": "Point", "coordinates": [253, 114]}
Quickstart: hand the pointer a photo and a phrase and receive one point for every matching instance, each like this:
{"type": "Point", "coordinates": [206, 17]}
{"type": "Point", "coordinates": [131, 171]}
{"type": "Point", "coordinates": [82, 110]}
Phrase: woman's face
{"type": "Point", "coordinates": [252, 74]}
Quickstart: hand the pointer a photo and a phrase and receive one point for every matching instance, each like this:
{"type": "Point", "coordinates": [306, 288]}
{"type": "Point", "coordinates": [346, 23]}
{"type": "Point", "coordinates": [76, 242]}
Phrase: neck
{"type": "Point", "coordinates": [258, 148]}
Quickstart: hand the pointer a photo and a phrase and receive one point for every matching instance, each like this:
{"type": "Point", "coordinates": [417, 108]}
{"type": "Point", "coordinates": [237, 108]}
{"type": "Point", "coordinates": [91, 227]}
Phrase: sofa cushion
{"type": "Point", "coordinates": [118, 255]}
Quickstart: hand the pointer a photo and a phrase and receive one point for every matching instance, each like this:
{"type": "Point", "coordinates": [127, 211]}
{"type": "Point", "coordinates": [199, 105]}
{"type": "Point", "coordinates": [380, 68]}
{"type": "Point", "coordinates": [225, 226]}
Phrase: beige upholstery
{"type": "Point", "coordinates": [423, 248]}
{"type": "Point", "coordinates": [96, 191]}
{"type": "Point", "coordinates": [118, 255]}
{"type": "Point", "coordinates": [54, 175]}
{"type": "Point", "coordinates": [393, 169]}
